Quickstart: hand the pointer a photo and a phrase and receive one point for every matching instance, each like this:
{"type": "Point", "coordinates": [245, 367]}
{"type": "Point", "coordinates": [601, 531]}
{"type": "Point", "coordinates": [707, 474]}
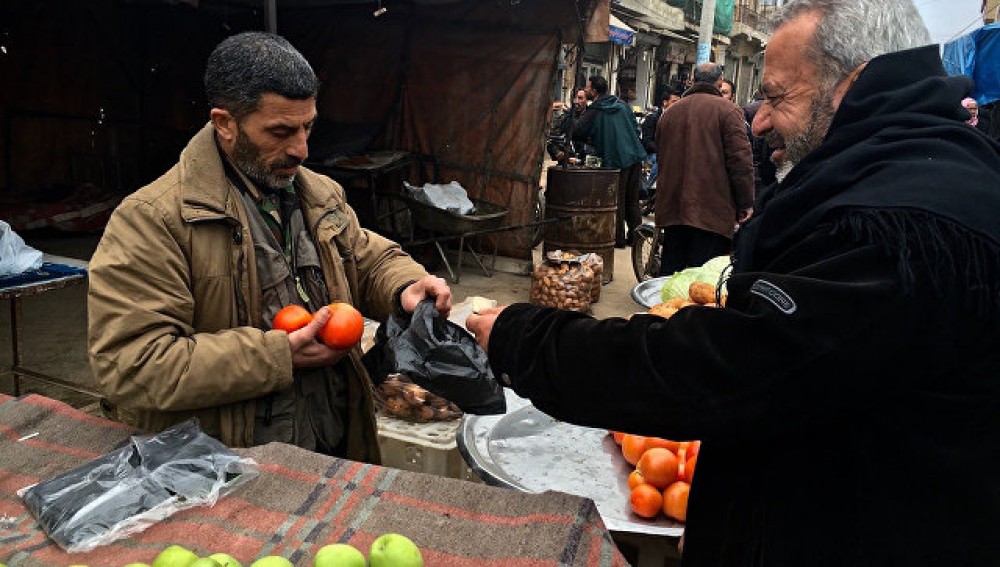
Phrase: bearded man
{"type": "Point", "coordinates": [193, 267]}
{"type": "Point", "coordinates": [848, 394]}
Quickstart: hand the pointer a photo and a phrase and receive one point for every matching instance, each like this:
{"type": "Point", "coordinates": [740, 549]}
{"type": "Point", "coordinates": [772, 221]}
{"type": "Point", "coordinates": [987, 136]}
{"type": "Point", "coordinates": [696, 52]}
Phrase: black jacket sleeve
{"type": "Point", "coordinates": [648, 128]}
{"type": "Point", "coordinates": [749, 369]}
{"type": "Point", "coordinates": [583, 125]}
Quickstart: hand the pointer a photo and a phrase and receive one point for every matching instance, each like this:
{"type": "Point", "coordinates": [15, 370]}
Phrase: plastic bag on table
{"type": "Point", "coordinates": [15, 255]}
{"type": "Point", "coordinates": [564, 281]}
{"type": "Point", "coordinates": [129, 489]}
{"type": "Point", "coordinates": [439, 356]}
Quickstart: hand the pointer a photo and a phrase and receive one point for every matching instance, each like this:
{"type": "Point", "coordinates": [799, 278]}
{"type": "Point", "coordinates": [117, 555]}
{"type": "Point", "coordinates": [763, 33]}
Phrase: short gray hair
{"type": "Point", "coordinates": [708, 73]}
{"type": "Point", "coordinates": [851, 32]}
{"type": "Point", "coordinates": [245, 66]}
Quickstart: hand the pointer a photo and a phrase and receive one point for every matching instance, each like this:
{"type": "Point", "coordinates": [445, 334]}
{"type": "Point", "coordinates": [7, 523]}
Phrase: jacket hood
{"type": "Point", "coordinates": [897, 145]}
{"type": "Point", "coordinates": [609, 104]}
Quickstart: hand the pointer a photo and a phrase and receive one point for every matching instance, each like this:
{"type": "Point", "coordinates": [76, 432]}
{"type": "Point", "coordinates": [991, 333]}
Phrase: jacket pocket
{"type": "Point", "coordinates": [273, 274]}
{"type": "Point", "coordinates": [335, 233]}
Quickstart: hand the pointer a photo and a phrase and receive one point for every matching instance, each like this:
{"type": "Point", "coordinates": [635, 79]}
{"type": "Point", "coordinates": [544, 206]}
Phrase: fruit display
{"type": "Point", "coordinates": [399, 397]}
{"type": "Point", "coordinates": [662, 477]}
{"type": "Point", "coordinates": [699, 293]}
{"type": "Point", "coordinates": [342, 331]}
{"type": "Point", "coordinates": [388, 550]}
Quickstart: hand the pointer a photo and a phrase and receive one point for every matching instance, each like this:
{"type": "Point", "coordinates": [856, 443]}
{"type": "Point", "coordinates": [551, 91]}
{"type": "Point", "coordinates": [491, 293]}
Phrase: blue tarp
{"type": "Point", "coordinates": [977, 55]}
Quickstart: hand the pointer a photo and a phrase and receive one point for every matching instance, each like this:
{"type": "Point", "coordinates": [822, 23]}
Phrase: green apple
{"type": "Point", "coordinates": [339, 555]}
{"type": "Point", "coordinates": [394, 550]}
{"type": "Point", "coordinates": [226, 560]}
{"type": "Point", "coordinates": [205, 562]}
{"type": "Point", "coordinates": [175, 556]}
{"type": "Point", "coordinates": [272, 561]}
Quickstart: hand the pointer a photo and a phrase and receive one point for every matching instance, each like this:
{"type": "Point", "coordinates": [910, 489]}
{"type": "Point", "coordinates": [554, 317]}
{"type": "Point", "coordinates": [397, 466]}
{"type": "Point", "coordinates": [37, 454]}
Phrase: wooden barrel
{"type": "Point", "coordinates": [589, 198]}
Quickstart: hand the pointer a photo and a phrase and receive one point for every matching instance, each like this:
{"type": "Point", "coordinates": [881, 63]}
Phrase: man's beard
{"type": "Point", "coordinates": [246, 157]}
{"type": "Point", "coordinates": [811, 138]}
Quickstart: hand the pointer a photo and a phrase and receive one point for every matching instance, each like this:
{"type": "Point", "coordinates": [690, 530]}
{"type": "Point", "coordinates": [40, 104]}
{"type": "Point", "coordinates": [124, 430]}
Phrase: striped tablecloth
{"type": "Point", "coordinates": [300, 502]}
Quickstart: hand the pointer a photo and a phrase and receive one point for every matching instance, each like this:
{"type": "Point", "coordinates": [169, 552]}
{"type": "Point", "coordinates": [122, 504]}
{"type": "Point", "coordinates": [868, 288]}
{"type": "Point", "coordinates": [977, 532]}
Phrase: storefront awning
{"type": "Point", "coordinates": [619, 32]}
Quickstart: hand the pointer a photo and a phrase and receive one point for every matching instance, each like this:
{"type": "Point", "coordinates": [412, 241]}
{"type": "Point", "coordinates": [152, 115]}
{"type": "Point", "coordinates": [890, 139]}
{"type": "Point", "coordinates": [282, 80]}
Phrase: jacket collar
{"type": "Point", "coordinates": [702, 88]}
{"type": "Point", "coordinates": [206, 192]}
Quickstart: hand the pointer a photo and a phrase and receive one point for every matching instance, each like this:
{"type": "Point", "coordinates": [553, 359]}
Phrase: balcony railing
{"type": "Point", "coordinates": [753, 13]}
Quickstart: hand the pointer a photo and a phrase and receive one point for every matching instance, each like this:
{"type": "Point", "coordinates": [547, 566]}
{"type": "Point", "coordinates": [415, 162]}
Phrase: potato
{"type": "Point", "coordinates": [701, 292]}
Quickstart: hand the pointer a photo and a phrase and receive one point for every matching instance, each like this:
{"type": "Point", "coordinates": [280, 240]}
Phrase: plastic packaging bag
{"type": "Point", "coordinates": [130, 489]}
{"type": "Point", "coordinates": [595, 263]}
{"type": "Point", "coordinates": [15, 255]}
{"type": "Point", "coordinates": [563, 281]}
{"type": "Point", "coordinates": [439, 356]}
{"type": "Point", "coordinates": [399, 397]}
{"type": "Point", "coordinates": [450, 197]}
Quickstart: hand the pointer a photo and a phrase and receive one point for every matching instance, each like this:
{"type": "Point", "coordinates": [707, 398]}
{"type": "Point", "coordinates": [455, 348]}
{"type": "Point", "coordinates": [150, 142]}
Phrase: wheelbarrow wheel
{"type": "Point", "coordinates": [538, 214]}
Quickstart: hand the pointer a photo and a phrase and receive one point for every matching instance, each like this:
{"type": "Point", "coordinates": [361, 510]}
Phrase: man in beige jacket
{"type": "Point", "coordinates": [192, 268]}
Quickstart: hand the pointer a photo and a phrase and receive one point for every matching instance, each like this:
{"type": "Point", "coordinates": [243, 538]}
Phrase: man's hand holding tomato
{"type": "Point", "coordinates": [427, 286]}
{"type": "Point", "coordinates": [307, 351]}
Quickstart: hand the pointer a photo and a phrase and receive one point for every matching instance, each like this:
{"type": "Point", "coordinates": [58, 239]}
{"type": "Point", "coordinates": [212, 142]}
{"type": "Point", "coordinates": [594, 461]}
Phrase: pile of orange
{"type": "Point", "coordinates": [662, 477]}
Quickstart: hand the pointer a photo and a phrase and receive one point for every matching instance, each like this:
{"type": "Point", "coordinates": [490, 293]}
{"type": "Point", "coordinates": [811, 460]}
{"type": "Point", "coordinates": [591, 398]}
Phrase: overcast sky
{"type": "Point", "coordinates": [948, 19]}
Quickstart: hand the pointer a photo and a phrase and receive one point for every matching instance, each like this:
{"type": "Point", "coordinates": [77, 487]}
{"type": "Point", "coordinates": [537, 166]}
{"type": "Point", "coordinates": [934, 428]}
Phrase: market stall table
{"type": "Point", "coordinates": [529, 451]}
{"type": "Point", "coordinates": [300, 502]}
{"type": "Point", "coordinates": [57, 272]}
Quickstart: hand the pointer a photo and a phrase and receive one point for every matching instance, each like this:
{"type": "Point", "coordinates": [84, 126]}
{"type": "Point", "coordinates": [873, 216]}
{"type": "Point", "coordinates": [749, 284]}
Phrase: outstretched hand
{"type": "Point", "coordinates": [481, 325]}
{"type": "Point", "coordinates": [309, 352]}
{"type": "Point", "coordinates": [427, 286]}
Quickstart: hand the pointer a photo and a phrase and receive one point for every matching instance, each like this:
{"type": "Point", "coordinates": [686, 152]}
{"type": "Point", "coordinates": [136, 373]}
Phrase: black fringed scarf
{"type": "Point", "coordinates": [901, 169]}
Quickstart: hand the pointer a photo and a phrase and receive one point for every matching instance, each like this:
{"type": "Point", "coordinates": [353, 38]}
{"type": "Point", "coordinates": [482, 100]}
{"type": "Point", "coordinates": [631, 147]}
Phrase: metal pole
{"type": "Point", "coordinates": [271, 14]}
{"type": "Point", "coordinates": [705, 31]}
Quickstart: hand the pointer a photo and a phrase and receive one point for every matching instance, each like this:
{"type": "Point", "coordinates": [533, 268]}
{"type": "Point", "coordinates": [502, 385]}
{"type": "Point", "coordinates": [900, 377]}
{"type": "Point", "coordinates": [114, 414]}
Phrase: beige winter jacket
{"type": "Point", "coordinates": [174, 301]}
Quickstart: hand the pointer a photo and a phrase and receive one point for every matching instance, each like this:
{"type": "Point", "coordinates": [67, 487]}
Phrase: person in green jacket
{"type": "Point", "coordinates": [608, 124]}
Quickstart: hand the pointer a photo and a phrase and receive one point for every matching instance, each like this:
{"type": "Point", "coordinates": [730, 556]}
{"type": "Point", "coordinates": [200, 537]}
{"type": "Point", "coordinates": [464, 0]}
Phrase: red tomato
{"type": "Point", "coordinates": [345, 327]}
{"type": "Point", "coordinates": [291, 318]}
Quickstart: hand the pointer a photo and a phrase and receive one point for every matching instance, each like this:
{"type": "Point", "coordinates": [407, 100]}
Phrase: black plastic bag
{"type": "Point", "coordinates": [131, 488]}
{"type": "Point", "coordinates": [439, 356]}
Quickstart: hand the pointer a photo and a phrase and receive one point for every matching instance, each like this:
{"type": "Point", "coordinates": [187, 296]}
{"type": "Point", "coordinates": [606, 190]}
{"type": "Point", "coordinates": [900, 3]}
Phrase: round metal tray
{"type": "Point", "coordinates": [647, 293]}
{"type": "Point", "coordinates": [530, 451]}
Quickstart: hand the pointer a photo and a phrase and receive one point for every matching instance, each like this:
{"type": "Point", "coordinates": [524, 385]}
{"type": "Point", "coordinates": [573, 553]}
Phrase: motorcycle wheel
{"type": "Point", "coordinates": [646, 252]}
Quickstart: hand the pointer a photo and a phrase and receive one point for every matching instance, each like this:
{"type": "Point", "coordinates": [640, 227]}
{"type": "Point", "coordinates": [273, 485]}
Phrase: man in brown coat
{"type": "Point", "coordinates": [705, 183]}
{"type": "Point", "coordinates": [193, 267]}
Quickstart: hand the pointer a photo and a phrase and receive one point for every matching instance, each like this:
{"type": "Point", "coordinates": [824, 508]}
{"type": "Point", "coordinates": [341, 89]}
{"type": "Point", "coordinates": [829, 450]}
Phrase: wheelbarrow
{"type": "Point", "coordinates": [484, 218]}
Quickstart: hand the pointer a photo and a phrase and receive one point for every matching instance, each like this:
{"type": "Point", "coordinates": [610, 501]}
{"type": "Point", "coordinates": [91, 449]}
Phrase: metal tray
{"type": "Point", "coordinates": [485, 216]}
{"type": "Point", "coordinates": [530, 451]}
{"type": "Point", "coordinates": [647, 293]}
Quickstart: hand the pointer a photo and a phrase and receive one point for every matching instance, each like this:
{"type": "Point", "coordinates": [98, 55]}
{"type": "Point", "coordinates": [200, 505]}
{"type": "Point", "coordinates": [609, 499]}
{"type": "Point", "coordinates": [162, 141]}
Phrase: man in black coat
{"type": "Point", "coordinates": [848, 394]}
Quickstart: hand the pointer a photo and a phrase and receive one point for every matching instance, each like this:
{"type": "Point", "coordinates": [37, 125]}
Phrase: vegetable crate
{"type": "Point", "coordinates": [423, 447]}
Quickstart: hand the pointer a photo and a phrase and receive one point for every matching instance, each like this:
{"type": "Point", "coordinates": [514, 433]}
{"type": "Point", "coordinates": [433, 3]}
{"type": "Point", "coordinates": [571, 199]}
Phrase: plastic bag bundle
{"type": "Point", "coordinates": [450, 197]}
{"type": "Point", "coordinates": [15, 255]}
{"type": "Point", "coordinates": [130, 489]}
{"type": "Point", "coordinates": [439, 356]}
{"type": "Point", "coordinates": [564, 281]}
{"type": "Point", "coordinates": [595, 263]}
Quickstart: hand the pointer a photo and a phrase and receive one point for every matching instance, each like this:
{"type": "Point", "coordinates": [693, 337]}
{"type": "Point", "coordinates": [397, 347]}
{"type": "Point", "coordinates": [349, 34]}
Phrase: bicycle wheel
{"type": "Point", "coordinates": [646, 252]}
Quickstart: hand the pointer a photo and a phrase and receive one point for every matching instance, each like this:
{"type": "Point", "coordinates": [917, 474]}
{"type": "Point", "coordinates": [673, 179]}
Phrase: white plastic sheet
{"type": "Point", "coordinates": [15, 255]}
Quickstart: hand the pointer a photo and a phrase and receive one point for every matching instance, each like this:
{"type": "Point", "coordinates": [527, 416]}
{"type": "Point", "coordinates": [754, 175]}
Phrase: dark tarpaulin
{"type": "Point", "coordinates": [468, 83]}
{"type": "Point", "coordinates": [109, 91]}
